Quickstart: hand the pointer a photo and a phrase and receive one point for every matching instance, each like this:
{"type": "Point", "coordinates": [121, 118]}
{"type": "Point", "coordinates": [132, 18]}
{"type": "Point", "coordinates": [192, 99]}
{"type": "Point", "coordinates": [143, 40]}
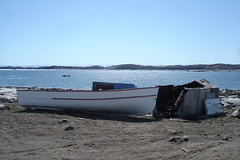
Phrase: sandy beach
{"type": "Point", "coordinates": [42, 134]}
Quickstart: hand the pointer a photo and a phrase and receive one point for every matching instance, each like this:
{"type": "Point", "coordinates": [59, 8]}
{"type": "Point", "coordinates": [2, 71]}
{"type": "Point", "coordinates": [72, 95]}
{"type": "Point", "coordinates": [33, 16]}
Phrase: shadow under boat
{"type": "Point", "coordinates": [92, 116]}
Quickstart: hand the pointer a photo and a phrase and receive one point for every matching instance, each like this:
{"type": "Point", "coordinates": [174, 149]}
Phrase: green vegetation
{"type": "Point", "coordinates": [219, 120]}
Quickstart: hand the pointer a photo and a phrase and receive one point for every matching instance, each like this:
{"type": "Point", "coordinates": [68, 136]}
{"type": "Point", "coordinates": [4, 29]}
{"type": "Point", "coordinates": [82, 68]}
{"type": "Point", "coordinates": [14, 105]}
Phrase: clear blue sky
{"type": "Point", "coordinates": [106, 32]}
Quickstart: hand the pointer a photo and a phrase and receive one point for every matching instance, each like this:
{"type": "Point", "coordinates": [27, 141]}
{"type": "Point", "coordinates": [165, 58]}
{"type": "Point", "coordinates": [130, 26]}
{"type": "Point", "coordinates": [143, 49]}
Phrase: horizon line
{"type": "Point", "coordinates": [50, 65]}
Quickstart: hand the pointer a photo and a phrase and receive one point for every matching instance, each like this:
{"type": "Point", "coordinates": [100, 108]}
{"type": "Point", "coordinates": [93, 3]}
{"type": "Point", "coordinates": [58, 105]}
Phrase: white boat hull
{"type": "Point", "coordinates": [138, 101]}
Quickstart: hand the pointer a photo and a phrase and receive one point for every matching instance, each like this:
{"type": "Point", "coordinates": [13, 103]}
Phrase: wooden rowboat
{"type": "Point", "coordinates": [134, 101]}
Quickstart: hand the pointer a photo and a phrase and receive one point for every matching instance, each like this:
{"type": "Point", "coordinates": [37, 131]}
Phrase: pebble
{"type": "Point", "coordinates": [185, 138]}
{"type": "Point", "coordinates": [3, 107]}
{"type": "Point", "coordinates": [172, 139]}
{"type": "Point", "coordinates": [69, 128]}
{"type": "Point", "coordinates": [185, 150]}
{"type": "Point", "coordinates": [229, 106]}
{"type": "Point", "coordinates": [63, 121]}
{"type": "Point", "coordinates": [236, 113]}
{"type": "Point", "coordinates": [179, 139]}
{"type": "Point", "coordinates": [225, 138]}
{"type": "Point", "coordinates": [173, 132]}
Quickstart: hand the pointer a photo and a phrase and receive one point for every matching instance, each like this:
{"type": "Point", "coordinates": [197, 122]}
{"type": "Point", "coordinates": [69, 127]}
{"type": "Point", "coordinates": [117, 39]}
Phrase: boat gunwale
{"type": "Point", "coordinates": [117, 90]}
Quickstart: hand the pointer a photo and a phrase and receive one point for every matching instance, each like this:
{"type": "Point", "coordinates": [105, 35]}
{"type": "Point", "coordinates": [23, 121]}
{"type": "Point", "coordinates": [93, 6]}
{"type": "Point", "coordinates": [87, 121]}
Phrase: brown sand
{"type": "Point", "coordinates": [41, 134]}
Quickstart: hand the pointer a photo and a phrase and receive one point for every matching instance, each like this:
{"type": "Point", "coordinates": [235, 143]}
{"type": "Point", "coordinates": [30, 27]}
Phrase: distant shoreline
{"type": "Point", "coordinates": [190, 68]}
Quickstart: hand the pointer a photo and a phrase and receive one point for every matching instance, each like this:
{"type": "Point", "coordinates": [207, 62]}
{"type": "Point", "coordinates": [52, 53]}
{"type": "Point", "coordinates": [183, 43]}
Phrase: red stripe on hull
{"type": "Point", "coordinates": [78, 99]}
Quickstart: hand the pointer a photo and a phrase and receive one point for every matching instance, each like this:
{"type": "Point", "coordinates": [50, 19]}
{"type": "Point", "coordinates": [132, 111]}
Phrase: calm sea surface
{"type": "Point", "coordinates": [82, 79]}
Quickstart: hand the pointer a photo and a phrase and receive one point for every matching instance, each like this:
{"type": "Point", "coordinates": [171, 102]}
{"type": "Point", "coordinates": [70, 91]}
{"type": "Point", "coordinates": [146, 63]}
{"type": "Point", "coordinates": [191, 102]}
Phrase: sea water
{"type": "Point", "coordinates": [82, 79]}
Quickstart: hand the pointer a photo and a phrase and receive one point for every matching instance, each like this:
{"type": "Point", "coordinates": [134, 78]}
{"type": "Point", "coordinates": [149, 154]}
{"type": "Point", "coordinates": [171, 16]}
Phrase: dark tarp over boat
{"type": "Point", "coordinates": [108, 86]}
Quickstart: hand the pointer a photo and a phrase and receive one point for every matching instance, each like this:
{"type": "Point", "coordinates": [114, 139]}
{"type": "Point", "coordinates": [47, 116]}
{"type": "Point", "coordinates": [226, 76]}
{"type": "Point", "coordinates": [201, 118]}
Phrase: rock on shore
{"type": "Point", "coordinates": [8, 95]}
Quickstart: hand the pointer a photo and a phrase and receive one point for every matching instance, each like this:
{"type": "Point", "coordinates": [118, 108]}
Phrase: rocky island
{"type": "Point", "coordinates": [196, 67]}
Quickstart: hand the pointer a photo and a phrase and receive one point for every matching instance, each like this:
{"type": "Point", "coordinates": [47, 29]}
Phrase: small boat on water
{"type": "Point", "coordinates": [66, 75]}
{"type": "Point", "coordinates": [104, 98]}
